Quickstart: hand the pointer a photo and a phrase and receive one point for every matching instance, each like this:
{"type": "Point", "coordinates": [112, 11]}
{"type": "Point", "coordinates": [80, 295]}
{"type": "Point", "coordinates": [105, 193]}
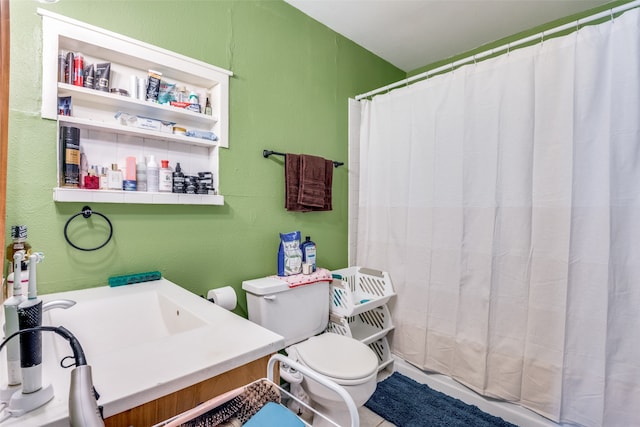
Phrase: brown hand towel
{"type": "Point", "coordinates": [312, 181]}
{"type": "Point", "coordinates": [292, 184]}
{"type": "Point", "coordinates": [328, 183]}
{"type": "Point", "coordinates": [308, 183]}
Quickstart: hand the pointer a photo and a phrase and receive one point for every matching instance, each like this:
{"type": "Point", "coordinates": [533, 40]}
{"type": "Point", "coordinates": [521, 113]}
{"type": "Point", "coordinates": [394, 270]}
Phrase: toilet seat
{"type": "Point", "coordinates": [343, 359]}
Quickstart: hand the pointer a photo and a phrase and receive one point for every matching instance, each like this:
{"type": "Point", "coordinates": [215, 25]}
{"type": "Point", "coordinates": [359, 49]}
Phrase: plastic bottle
{"type": "Point", "coordinates": [153, 175]}
{"type": "Point", "coordinates": [178, 180]}
{"type": "Point", "coordinates": [207, 108]}
{"type": "Point", "coordinates": [165, 178]}
{"type": "Point", "coordinates": [141, 176]}
{"type": "Point", "coordinates": [309, 253]}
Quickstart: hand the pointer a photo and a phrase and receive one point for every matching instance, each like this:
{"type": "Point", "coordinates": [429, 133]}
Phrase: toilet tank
{"type": "Point", "coordinates": [295, 313]}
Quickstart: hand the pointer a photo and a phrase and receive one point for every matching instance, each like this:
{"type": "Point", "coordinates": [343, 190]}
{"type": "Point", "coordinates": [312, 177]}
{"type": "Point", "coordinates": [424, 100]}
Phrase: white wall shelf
{"type": "Point", "coordinates": [61, 194]}
{"type": "Point", "coordinates": [119, 129]}
{"type": "Point", "coordinates": [104, 139]}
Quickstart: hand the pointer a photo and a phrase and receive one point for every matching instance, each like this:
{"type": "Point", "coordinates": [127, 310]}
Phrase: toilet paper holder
{"type": "Point", "coordinates": [224, 296]}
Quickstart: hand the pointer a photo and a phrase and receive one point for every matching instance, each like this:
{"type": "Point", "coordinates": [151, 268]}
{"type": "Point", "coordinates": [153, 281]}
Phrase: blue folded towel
{"type": "Point", "coordinates": [274, 415]}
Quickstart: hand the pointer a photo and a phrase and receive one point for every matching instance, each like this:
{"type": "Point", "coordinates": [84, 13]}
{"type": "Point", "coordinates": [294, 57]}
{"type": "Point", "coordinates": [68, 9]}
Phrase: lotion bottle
{"type": "Point", "coordinates": [152, 175]}
{"type": "Point", "coordinates": [166, 177]}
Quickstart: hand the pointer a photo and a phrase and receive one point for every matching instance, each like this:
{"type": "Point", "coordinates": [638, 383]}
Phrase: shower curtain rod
{"type": "Point", "coordinates": [506, 47]}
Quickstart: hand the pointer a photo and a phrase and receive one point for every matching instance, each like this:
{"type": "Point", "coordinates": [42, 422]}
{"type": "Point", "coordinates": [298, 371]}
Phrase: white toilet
{"type": "Point", "coordinates": [298, 314]}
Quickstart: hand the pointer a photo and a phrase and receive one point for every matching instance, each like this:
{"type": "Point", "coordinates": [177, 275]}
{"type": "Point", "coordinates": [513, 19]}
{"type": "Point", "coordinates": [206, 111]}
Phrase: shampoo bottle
{"type": "Point", "coordinates": [309, 253]}
{"type": "Point", "coordinates": [152, 174]}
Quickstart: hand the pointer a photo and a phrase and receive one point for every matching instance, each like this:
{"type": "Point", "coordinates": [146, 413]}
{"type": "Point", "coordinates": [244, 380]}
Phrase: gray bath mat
{"type": "Point", "coordinates": [407, 403]}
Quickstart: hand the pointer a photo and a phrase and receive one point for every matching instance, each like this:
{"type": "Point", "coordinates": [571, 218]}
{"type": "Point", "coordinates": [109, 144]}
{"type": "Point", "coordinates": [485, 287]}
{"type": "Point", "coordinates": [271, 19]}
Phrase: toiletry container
{"type": "Point", "coordinates": [130, 183]}
{"type": "Point", "coordinates": [141, 176]}
{"type": "Point", "coordinates": [153, 175]}
{"type": "Point", "coordinates": [165, 177]}
{"type": "Point", "coordinates": [104, 178]}
{"type": "Point", "coordinates": [114, 177]}
{"type": "Point", "coordinates": [178, 180]}
{"type": "Point", "coordinates": [309, 253]}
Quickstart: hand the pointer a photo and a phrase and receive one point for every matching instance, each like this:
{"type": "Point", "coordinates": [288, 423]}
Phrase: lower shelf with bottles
{"type": "Point", "coordinates": [61, 194]}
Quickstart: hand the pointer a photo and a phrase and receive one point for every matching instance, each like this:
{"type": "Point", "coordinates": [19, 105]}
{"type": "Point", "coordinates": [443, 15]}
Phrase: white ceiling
{"type": "Point", "coordinates": [413, 33]}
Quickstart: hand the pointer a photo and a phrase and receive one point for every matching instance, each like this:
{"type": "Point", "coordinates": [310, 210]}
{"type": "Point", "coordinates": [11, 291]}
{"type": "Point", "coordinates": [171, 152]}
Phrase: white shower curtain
{"type": "Point", "coordinates": [504, 200]}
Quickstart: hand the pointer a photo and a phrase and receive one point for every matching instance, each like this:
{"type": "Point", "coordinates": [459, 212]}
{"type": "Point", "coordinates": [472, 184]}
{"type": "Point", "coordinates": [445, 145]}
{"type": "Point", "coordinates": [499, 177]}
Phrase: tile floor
{"type": "Point", "coordinates": [371, 419]}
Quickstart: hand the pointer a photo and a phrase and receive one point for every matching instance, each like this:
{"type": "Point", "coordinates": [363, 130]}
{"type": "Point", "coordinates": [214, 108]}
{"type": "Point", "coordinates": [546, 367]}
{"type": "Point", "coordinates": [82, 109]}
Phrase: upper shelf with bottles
{"type": "Point", "coordinates": [129, 62]}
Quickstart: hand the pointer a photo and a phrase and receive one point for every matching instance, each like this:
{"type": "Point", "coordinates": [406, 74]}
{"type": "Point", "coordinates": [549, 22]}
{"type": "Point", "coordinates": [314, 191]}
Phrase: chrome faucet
{"type": "Point", "coordinates": [57, 303]}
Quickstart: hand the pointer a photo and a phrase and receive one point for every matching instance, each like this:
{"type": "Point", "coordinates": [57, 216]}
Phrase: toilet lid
{"type": "Point", "coordinates": [338, 356]}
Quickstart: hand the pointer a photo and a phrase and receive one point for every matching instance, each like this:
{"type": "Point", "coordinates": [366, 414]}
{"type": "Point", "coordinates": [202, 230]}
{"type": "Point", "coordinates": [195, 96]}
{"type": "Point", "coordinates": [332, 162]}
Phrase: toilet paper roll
{"type": "Point", "coordinates": [225, 297]}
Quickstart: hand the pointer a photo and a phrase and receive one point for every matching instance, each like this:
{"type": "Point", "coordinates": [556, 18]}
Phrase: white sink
{"type": "Point", "coordinates": [125, 320]}
{"type": "Point", "coordinates": [143, 341]}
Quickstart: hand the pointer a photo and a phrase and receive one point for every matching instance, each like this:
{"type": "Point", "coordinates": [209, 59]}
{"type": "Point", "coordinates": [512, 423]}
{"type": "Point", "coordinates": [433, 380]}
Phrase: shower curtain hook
{"type": "Point", "coordinates": [508, 48]}
{"type": "Point", "coordinates": [474, 60]}
{"type": "Point", "coordinates": [611, 13]}
{"type": "Point", "coordinates": [577, 25]}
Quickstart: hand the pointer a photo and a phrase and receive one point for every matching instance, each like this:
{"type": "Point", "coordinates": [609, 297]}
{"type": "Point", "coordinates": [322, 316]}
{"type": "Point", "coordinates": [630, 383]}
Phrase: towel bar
{"type": "Point", "coordinates": [267, 153]}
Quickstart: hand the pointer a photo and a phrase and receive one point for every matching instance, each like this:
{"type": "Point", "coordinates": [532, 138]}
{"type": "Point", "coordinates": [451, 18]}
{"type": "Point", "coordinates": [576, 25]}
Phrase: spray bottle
{"type": "Point", "coordinates": [11, 324]}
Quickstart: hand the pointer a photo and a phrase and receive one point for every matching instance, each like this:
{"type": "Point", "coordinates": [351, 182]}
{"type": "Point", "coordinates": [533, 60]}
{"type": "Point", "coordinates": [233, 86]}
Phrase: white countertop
{"type": "Point", "coordinates": [139, 367]}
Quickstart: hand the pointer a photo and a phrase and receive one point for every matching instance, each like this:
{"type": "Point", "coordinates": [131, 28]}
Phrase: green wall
{"type": "Point", "coordinates": [292, 78]}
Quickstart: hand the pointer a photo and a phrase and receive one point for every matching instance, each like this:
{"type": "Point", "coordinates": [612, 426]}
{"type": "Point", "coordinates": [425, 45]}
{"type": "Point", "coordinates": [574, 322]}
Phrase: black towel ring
{"type": "Point", "coordinates": [87, 212]}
